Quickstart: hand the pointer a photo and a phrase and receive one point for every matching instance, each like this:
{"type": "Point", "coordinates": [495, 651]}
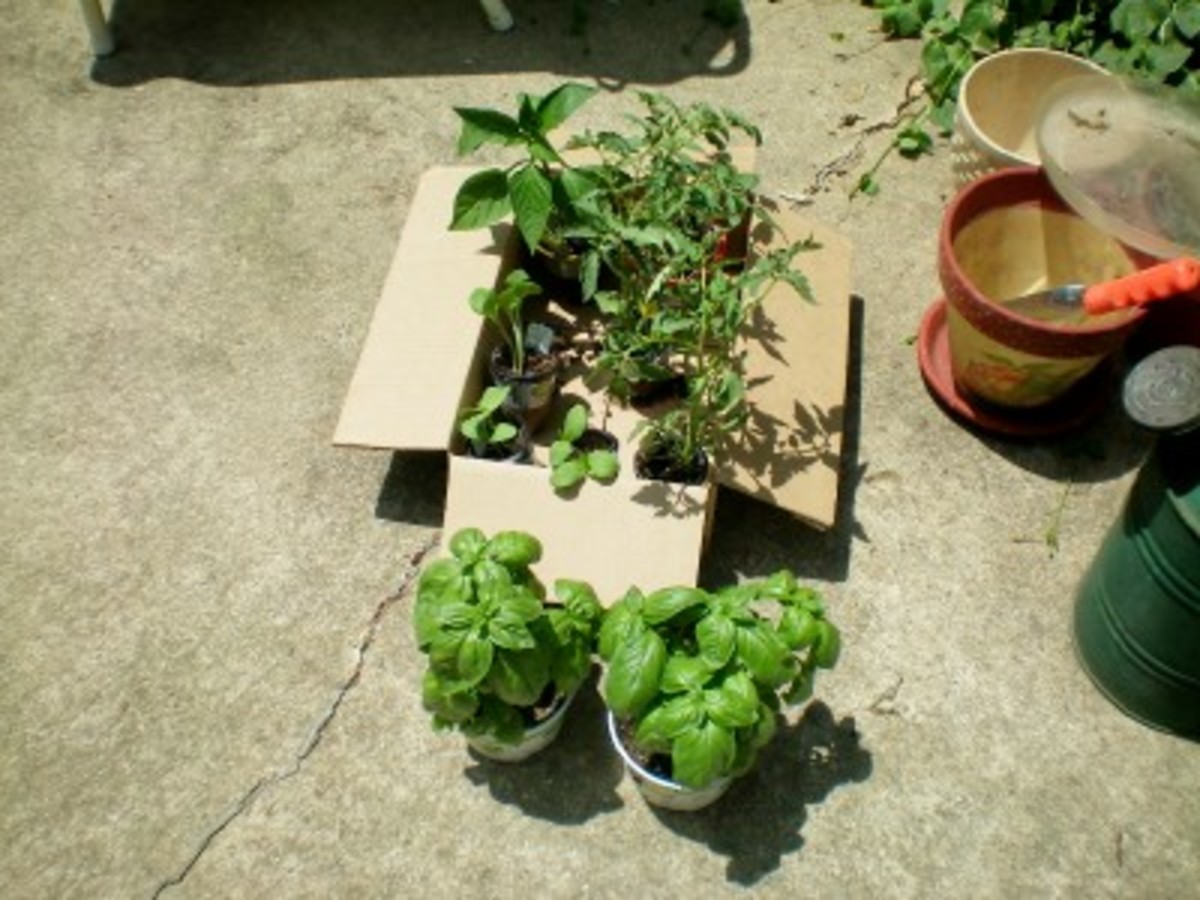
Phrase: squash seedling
{"type": "Point", "coordinates": [489, 432]}
{"type": "Point", "coordinates": [581, 452]}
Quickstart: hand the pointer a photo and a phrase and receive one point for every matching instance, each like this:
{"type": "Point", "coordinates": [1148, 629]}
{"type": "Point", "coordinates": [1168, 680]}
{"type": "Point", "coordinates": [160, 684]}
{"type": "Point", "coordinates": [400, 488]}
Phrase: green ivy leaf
{"type": "Point", "coordinates": [485, 126]}
{"type": "Point", "coordinates": [532, 199]}
{"type": "Point", "coordinates": [912, 141]}
{"type": "Point", "coordinates": [1163, 60]}
{"type": "Point", "coordinates": [481, 200]}
{"type": "Point", "coordinates": [1137, 20]}
{"type": "Point", "coordinates": [634, 673]}
{"type": "Point", "coordinates": [702, 755]}
{"type": "Point", "coordinates": [1186, 17]}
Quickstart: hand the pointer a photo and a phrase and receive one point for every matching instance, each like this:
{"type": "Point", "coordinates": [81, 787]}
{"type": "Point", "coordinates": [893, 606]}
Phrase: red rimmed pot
{"type": "Point", "coordinates": [1009, 234]}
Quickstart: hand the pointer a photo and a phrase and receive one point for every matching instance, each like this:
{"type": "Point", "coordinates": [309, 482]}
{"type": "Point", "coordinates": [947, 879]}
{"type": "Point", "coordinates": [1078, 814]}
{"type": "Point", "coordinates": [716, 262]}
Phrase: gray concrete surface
{"type": "Point", "coordinates": [209, 687]}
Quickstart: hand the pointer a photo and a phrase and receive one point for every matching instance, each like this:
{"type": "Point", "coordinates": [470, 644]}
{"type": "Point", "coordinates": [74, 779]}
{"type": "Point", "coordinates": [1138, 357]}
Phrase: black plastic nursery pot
{"type": "Point", "coordinates": [655, 461]}
{"type": "Point", "coordinates": [531, 393]}
{"type": "Point", "coordinates": [518, 451]}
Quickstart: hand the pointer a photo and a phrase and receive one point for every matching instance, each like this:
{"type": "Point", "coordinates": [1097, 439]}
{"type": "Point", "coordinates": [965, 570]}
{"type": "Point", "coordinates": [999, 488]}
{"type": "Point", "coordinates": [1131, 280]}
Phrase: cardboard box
{"type": "Point", "coordinates": [423, 360]}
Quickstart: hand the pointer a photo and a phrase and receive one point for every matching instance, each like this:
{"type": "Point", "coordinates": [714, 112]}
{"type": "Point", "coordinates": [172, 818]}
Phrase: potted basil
{"type": "Point", "coordinates": [504, 662]}
{"type": "Point", "coordinates": [696, 681]}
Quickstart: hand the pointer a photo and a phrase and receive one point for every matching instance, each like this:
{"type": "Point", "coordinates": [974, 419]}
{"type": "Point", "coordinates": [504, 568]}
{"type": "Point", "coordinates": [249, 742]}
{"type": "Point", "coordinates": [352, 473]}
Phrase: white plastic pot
{"type": "Point", "coordinates": [663, 792]}
{"type": "Point", "coordinates": [998, 104]}
{"type": "Point", "coordinates": [536, 738]}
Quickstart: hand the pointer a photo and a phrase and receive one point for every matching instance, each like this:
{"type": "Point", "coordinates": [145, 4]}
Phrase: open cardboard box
{"type": "Point", "coordinates": [423, 360]}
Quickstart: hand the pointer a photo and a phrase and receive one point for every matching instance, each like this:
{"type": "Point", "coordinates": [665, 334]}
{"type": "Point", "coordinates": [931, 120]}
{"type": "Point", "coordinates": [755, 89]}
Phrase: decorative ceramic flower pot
{"type": "Point", "coordinates": [536, 738]}
{"type": "Point", "coordinates": [662, 792]}
{"type": "Point", "coordinates": [1005, 235]}
{"type": "Point", "coordinates": [998, 103]}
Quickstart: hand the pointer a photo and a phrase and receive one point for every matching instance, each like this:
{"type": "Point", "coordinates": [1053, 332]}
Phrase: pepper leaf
{"type": "Point", "coordinates": [481, 200]}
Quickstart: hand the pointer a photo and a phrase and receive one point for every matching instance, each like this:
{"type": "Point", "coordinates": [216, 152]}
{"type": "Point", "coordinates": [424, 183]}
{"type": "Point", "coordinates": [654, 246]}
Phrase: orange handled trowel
{"type": "Point", "coordinates": [1069, 301]}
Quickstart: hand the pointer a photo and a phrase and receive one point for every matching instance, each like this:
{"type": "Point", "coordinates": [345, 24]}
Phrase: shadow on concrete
{"type": "Point", "coordinates": [752, 538]}
{"type": "Point", "coordinates": [414, 489]}
{"type": "Point", "coordinates": [1102, 450]}
{"type": "Point", "coordinates": [232, 43]}
{"type": "Point", "coordinates": [762, 817]}
{"type": "Point", "coordinates": [572, 780]}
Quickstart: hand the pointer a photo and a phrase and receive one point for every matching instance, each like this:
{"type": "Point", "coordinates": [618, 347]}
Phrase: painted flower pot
{"type": "Point", "coordinates": [998, 103]}
{"type": "Point", "coordinates": [1005, 235]}
{"type": "Point", "coordinates": [662, 792]}
{"type": "Point", "coordinates": [536, 738]}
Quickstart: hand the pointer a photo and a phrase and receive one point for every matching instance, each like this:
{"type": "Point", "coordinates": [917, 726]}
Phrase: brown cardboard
{"type": "Point", "coordinates": [423, 359]}
{"type": "Point", "coordinates": [796, 359]}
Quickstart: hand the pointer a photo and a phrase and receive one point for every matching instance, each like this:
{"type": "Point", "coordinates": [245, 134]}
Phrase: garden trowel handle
{"type": "Point", "coordinates": [1155, 283]}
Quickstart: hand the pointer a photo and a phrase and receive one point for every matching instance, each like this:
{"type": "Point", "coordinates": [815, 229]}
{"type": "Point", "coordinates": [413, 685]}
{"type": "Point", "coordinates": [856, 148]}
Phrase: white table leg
{"type": "Point", "coordinates": [98, 30]}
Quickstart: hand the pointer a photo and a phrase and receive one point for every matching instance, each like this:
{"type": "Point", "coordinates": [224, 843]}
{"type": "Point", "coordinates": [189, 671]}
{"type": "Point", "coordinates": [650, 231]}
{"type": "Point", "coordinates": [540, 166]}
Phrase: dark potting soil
{"type": "Point", "coordinates": [643, 394]}
{"type": "Point", "coordinates": [655, 763]}
{"type": "Point", "coordinates": [658, 465]}
{"type": "Point", "coordinates": [543, 708]}
{"type": "Point", "coordinates": [597, 439]}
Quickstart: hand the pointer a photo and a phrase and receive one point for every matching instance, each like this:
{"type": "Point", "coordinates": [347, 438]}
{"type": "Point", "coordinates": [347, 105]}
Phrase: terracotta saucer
{"type": "Point", "coordinates": [1072, 410]}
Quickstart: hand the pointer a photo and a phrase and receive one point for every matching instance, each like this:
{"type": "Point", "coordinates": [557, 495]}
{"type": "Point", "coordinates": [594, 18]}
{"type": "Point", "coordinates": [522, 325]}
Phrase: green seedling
{"type": "Point", "coordinates": [483, 427]}
{"type": "Point", "coordinates": [571, 464]}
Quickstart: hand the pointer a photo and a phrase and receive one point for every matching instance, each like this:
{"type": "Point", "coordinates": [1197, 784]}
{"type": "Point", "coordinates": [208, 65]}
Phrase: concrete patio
{"type": "Point", "coordinates": [210, 688]}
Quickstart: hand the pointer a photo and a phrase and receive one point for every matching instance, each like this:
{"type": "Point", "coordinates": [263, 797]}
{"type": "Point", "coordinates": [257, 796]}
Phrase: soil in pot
{"type": "Point", "coordinates": [515, 451]}
{"type": "Point", "coordinates": [531, 394]}
{"type": "Point", "coordinates": [656, 462]}
{"type": "Point", "coordinates": [543, 721]}
{"type": "Point", "coordinates": [653, 779]}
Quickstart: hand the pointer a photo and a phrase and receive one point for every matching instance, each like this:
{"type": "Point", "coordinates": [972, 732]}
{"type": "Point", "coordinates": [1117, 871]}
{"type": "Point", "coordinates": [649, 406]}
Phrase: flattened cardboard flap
{"type": "Point", "coordinates": [797, 357]}
{"type": "Point", "coordinates": [644, 533]}
{"type": "Point", "coordinates": [408, 386]}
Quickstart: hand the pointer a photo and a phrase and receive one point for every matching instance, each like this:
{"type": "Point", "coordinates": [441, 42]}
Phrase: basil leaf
{"type": "Point", "coordinates": [467, 544]}
{"type": "Point", "coordinates": [669, 602]}
{"type": "Point", "coordinates": [661, 725]}
{"type": "Point", "coordinates": [763, 653]}
{"type": "Point", "coordinates": [519, 676]}
{"type": "Point", "coordinates": [475, 656]}
{"type": "Point", "coordinates": [735, 703]}
{"type": "Point", "coordinates": [701, 755]}
{"type": "Point", "coordinates": [634, 673]}
{"type": "Point", "coordinates": [684, 673]}
{"type": "Point", "coordinates": [716, 637]}
{"type": "Point", "coordinates": [828, 647]}
{"type": "Point", "coordinates": [514, 549]}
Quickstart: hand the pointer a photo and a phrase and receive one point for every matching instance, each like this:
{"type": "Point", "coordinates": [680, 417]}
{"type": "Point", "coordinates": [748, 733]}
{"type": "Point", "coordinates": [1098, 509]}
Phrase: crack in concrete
{"type": "Point", "coordinates": [314, 739]}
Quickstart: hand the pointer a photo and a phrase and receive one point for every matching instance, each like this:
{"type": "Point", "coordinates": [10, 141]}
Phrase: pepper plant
{"type": "Point", "coordinates": [497, 648]}
{"type": "Point", "coordinates": [702, 677]}
{"type": "Point", "coordinates": [541, 189]}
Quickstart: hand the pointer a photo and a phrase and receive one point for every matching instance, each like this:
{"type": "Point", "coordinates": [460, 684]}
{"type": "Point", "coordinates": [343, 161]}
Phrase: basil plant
{"type": "Point", "coordinates": [498, 650]}
{"type": "Point", "coordinates": [702, 677]}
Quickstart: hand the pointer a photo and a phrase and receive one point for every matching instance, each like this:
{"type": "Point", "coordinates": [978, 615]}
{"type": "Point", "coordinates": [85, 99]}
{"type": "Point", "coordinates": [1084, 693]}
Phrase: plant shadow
{"type": "Point", "coordinates": [573, 780]}
{"type": "Point", "coordinates": [232, 43]}
{"type": "Point", "coordinates": [750, 536]}
{"type": "Point", "coordinates": [761, 819]}
{"type": "Point", "coordinates": [414, 488]}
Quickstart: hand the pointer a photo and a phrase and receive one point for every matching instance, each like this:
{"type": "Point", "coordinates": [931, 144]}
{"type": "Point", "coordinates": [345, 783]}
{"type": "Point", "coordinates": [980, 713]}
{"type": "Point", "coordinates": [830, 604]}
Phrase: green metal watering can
{"type": "Point", "coordinates": [1137, 611]}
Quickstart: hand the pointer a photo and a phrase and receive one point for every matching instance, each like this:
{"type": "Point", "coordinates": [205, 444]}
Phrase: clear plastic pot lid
{"type": "Point", "coordinates": [1126, 157]}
